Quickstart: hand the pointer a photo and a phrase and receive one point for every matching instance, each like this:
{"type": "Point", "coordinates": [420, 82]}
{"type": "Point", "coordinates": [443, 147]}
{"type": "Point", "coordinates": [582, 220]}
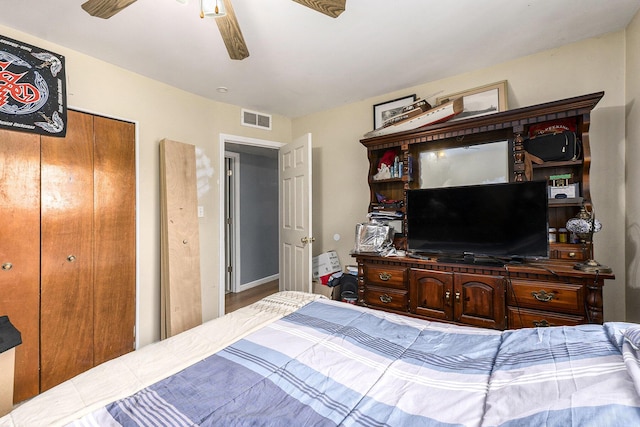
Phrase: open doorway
{"type": "Point", "coordinates": [250, 215]}
{"type": "Point", "coordinates": [251, 206]}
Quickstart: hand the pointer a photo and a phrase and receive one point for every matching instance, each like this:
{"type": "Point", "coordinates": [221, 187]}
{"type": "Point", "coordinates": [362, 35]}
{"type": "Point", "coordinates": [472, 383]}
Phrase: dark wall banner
{"type": "Point", "coordinates": [32, 89]}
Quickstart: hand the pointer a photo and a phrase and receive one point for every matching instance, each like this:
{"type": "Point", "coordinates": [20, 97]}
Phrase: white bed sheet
{"type": "Point", "coordinates": [131, 372]}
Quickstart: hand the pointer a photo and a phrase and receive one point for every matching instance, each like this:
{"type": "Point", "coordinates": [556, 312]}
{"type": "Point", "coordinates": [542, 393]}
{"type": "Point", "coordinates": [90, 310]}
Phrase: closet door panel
{"type": "Point", "coordinates": [20, 252]}
{"type": "Point", "coordinates": [114, 231]}
{"type": "Point", "coordinates": [66, 321]}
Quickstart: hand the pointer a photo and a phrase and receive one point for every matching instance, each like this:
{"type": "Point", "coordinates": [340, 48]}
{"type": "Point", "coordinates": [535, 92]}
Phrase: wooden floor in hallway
{"type": "Point", "coordinates": [234, 301]}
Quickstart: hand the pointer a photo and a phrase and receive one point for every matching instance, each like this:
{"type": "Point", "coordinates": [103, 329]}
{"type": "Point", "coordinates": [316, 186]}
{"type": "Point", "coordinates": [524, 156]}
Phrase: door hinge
{"type": "Point", "coordinates": [230, 269]}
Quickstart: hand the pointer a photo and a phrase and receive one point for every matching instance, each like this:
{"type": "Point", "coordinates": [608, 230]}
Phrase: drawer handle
{"type": "Point", "coordinates": [542, 296]}
{"type": "Point", "coordinates": [385, 276]}
{"type": "Point", "coordinates": [541, 324]}
{"type": "Point", "coordinates": [385, 298]}
{"type": "Point", "coordinates": [572, 254]}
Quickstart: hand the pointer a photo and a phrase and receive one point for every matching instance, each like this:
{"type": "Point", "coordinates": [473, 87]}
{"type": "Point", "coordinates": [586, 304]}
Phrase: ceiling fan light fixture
{"type": "Point", "coordinates": [212, 9]}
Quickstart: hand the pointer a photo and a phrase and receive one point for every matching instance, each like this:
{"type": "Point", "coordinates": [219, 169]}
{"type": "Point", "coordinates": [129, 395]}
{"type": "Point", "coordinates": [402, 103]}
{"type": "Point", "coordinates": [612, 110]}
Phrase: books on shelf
{"type": "Point", "coordinates": [388, 205]}
{"type": "Point", "coordinates": [432, 116]}
{"type": "Point", "coordinates": [385, 215]}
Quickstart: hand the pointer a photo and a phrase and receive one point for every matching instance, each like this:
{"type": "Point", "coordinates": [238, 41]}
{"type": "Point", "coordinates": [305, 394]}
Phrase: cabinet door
{"type": "Point", "coordinates": [114, 235]}
{"type": "Point", "coordinates": [479, 300]}
{"type": "Point", "coordinates": [66, 317]}
{"type": "Point", "coordinates": [20, 252]}
{"type": "Point", "coordinates": [431, 293]}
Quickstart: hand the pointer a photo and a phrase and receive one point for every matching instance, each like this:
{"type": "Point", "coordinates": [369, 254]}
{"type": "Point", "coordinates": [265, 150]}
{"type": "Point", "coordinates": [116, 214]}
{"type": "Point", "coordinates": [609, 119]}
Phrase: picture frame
{"type": "Point", "coordinates": [384, 110]}
{"type": "Point", "coordinates": [480, 101]}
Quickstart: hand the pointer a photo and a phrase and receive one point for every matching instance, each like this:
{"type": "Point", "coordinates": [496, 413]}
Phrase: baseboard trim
{"type": "Point", "coordinates": [247, 286]}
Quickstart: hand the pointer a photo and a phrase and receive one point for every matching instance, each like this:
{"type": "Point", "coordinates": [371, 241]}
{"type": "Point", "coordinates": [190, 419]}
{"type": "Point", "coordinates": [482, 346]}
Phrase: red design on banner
{"type": "Point", "coordinates": [25, 93]}
{"type": "Point", "coordinates": [32, 89]}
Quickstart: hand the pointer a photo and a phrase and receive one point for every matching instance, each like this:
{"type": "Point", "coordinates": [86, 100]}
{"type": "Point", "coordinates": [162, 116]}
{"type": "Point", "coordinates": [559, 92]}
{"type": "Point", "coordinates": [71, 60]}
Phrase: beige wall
{"type": "Point", "coordinates": [159, 111]}
{"type": "Point", "coordinates": [632, 111]}
{"type": "Point", "coordinates": [340, 191]}
{"type": "Point", "coordinates": [340, 188]}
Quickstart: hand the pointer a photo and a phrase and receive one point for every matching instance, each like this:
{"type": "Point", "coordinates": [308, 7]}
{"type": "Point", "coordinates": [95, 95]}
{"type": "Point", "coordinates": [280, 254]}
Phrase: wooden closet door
{"type": "Point", "coordinates": [66, 318]}
{"type": "Point", "coordinates": [114, 237]}
{"type": "Point", "coordinates": [20, 252]}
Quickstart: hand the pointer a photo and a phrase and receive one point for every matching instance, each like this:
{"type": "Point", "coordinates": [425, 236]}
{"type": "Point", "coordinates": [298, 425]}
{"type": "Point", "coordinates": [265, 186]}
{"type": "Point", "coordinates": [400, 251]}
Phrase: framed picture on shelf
{"type": "Point", "coordinates": [385, 110]}
{"type": "Point", "coordinates": [480, 101]}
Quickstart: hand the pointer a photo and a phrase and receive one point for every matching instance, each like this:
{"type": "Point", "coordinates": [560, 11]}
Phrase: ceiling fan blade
{"type": "Point", "coordinates": [231, 34]}
{"type": "Point", "coordinates": [105, 8]}
{"type": "Point", "coordinates": [332, 8]}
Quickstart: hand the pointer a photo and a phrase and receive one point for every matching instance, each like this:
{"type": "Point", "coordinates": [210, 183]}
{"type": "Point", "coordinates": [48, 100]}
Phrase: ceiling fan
{"type": "Point", "coordinates": [227, 24]}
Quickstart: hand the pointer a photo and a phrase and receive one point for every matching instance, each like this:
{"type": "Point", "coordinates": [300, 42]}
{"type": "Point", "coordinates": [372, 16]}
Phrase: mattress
{"type": "Point", "coordinates": [133, 371]}
{"type": "Point", "coordinates": [299, 360]}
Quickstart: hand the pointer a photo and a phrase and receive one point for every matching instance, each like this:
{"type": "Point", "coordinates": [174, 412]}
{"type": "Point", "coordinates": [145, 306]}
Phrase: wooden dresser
{"type": "Point", "coordinates": [514, 296]}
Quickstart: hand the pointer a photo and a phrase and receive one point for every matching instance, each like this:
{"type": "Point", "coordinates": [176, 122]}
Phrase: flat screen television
{"type": "Point", "coordinates": [504, 221]}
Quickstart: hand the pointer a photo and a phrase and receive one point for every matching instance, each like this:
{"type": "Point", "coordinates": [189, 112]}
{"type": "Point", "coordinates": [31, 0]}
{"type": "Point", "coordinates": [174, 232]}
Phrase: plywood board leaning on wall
{"type": "Point", "coordinates": [180, 245]}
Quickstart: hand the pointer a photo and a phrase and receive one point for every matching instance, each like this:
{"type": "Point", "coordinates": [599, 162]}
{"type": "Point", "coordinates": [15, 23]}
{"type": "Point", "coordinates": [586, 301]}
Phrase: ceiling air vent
{"type": "Point", "coordinates": [255, 119]}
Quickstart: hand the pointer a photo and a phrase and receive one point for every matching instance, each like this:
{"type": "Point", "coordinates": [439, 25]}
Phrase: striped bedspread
{"type": "Point", "coordinates": [331, 363]}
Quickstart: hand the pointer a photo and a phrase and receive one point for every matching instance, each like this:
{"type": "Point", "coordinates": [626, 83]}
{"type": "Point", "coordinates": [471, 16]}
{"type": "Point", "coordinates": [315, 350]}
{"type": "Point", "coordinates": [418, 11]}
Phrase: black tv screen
{"type": "Point", "coordinates": [508, 220]}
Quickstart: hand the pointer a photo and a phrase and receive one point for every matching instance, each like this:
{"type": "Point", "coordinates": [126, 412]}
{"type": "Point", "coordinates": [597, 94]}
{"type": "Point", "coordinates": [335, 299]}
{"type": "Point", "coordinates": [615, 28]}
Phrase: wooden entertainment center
{"type": "Point", "coordinates": [535, 293]}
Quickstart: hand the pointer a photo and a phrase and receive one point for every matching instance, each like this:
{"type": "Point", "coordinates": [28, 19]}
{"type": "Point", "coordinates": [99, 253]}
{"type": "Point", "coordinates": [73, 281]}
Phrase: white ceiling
{"type": "Point", "coordinates": [303, 62]}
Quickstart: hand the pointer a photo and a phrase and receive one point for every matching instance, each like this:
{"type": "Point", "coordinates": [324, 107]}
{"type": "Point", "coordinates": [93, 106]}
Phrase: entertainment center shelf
{"type": "Point", "coordinates": [546, 292]}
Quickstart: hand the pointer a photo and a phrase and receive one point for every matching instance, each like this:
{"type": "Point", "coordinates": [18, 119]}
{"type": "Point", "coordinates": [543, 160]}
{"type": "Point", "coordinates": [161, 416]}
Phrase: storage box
{"type": "Point", "coordinates": [10, 337]}
{"type": "Point", "coordinates": [7, 366]}
{"type": "Point", "coordinates": [324, 265]}
{"type": "Point", "coordinates": [320, 289]}
{"type": "Point", "coordinates": [563, 191]}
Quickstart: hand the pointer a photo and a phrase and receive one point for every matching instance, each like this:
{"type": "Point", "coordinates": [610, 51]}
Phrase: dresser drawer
{"type": "Point", "coordinates": [523, 318]}
{"type": "Point", "coordinates": [568, 251]}
{"type": "Point", "coordinates": [391, 299]}
{"type": "Point", "coordinates": [558, 297]}
{"type": "Point", "coordinates": [387, 276]}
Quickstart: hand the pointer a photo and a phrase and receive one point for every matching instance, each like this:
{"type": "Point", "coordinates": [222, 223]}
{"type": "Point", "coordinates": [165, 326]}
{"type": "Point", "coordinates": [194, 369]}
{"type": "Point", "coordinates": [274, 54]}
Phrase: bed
{"type": "Point", "coordinates": [300, 359]}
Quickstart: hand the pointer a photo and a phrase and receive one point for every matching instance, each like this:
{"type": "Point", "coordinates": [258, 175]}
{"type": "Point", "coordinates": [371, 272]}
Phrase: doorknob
{"type": "Point", "coordinates": [306, 240]}
{"type": "Point", "coordinates": [7, 266]}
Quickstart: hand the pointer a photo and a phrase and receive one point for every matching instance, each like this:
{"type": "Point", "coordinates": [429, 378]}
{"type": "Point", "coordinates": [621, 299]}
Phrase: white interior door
{"type": "Point", "coordinates": [295, 215]}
